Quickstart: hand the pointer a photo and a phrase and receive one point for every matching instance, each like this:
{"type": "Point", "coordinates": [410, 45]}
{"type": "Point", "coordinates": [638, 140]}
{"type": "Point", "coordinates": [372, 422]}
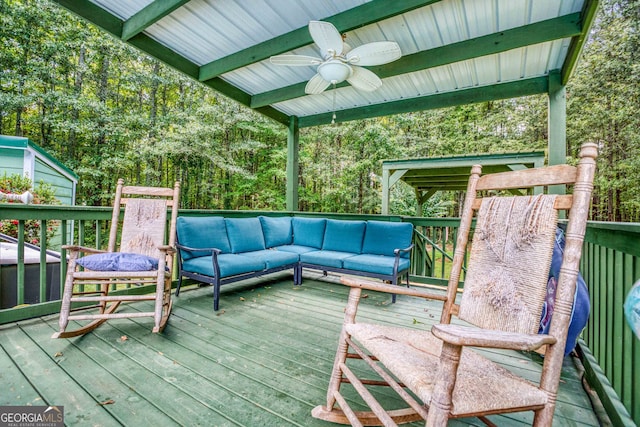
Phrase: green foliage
{"type": "Point", "coordinates": [42, 194]}
{"type": "Point", "coordinates": [603, 105]}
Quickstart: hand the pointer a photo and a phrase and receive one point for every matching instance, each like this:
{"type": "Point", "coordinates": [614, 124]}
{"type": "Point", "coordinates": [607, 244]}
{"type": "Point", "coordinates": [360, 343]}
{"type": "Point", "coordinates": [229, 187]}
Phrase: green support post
{"type": "Point", "coordinates": [293, 168]}
{"type": "Point", "coordinates": [385, 192]}
{"type": "Point", "coordinates": [557, 125]}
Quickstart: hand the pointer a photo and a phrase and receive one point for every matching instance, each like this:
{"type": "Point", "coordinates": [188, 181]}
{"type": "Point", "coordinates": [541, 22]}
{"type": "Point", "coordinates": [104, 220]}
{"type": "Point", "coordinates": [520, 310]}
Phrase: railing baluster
{"type": "Point", "coordinates": [63, 253]}
{"type": "Point", "coordinates": [98, 234]}
{"type": "Point", "coordinates": [81, 242]}
{"type": "Point", "coordinates": [43, 261]}
{"type": "Point", "coordinates": [20, 272]}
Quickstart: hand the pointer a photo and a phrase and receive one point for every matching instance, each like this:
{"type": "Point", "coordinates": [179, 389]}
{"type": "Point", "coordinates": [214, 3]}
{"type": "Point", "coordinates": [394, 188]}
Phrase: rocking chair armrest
{"type": "Point", "coordinates": [489, 338]}
{"type": "Point", "coordinates": [390, 289]}
{"type": "Point", "coordinates": [77, 248]}
{"type": "Point", "coordinates": [167, 248]}
{"type": "Point", "coordinates": [399, 251]}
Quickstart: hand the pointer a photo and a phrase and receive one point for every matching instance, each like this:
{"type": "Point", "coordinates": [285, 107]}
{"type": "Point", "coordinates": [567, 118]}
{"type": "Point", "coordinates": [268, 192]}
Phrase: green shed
{"type": "Point", "coordinates": [22, 156]}
{"type": "Point", "coordinates": [447, 173]}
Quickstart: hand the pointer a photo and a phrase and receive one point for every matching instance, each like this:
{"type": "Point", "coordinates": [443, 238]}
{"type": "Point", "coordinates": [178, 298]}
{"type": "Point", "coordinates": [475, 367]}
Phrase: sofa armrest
{"type": "Point", "coordinates": [188, 249]}
{"type": "Point", "coordinates": [398, 252]}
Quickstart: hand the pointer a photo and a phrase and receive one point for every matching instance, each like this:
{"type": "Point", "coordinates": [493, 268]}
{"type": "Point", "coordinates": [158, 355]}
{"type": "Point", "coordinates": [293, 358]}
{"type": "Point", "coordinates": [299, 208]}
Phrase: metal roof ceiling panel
{"type": "Point", "coordinates": [123, 9]}
{"type": "Point", "coordinates": [488, 48]}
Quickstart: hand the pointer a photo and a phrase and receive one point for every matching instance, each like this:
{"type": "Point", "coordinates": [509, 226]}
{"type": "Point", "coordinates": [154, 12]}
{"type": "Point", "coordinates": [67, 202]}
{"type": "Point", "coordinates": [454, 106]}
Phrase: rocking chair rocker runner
{"type": "Point", "coordinates": [504, 289]}
{"type": "Point", "coordinates": [145, 257]}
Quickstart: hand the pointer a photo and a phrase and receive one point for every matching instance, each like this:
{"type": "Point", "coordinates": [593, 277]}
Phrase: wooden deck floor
{"type": "Point", "coordinates": [263, 360]}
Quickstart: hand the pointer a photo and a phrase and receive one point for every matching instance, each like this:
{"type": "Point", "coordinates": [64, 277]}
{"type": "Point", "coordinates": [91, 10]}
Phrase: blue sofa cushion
{"type": "Point", "coordinates": [325, 258]}
{"type": "Point", "coordinates": [308, 231]}
{"type": "Point", "coordinates": [296, 249]}
{"type": "Point", "coordinates": [230, 265]}
{"type": "Point", "coordinates": [379, 264]}
{"type": "Point", "coordinates": [381, 238]}
{"type": "Point", "coordinates": [273, 259]}
{"type": "Point", "coordinates": [344, 236]}
{"type": "Point", "coordinates": [277, 231]}
{"type": "Point", "coordinates": [245, 234]}
{"type": "Point", "coordinates": [118, 261]}
{"type": "Point", "coordinates": [202, 232]}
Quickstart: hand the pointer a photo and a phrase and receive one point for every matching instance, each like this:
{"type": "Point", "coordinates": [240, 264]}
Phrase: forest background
{"type": "Point", "coordinates": [107, 111]}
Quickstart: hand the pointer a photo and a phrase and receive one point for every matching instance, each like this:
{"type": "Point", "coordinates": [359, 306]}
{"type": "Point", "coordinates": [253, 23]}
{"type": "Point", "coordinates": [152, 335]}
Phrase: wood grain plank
{"type": "Point", "coordinates": [51, 382]}
{"type": "Point", "coordinates": [16, 389]}
{"type": "Point", "coordinates": [103, 384]}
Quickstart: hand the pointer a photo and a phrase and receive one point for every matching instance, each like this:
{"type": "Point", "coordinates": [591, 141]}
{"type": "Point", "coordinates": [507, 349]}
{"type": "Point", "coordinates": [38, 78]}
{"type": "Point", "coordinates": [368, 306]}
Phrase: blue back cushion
{"type": "Point", "coordinates": [202, 232]}
{"type": "Point", "coordinates": [245, 234]}
{"type": "Point", "coordinates": [344, 236]}
{"type": "Point", "coordinates": [381, 238]}
{"type": "Point", "coordinates": [308, 231]}
{"type": "Point", "coordinates": [277, 231]}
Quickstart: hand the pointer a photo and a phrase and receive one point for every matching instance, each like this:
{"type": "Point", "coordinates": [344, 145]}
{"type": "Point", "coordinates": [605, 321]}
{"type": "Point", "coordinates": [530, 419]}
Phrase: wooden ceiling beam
{"type": "Point", "coordinates": [502, 41]}
{"type": "Point", "coordinates": [351, 19]}
{"type": "Point", "coordinates": [148, 16]}
{"type": "Point", "coordinates": [514, 89]}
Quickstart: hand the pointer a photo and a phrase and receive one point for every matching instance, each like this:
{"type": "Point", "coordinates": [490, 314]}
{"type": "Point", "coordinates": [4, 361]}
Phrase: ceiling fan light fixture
{"type": "Point", "coordinates": [338, 62]}
{"type": "Point", "coordinates": [335, 71]}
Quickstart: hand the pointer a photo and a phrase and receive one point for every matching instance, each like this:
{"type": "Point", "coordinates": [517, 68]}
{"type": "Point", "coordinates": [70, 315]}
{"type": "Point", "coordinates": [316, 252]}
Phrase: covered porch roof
{"type": "Point", "coordinates": [453, 52]}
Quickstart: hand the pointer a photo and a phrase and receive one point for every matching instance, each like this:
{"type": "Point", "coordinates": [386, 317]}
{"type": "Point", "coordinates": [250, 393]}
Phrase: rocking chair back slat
{"type": "Point", "coordinates": [551, 175]}
{"type": "Point", "coordinates": [506, 284]}
{"type": "Point", "coordinates": [144, 226]}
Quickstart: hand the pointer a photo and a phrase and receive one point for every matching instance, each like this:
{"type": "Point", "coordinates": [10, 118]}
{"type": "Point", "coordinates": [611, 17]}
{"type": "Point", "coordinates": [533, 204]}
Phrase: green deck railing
{"type": "Point", "coordinates": [610, 265]}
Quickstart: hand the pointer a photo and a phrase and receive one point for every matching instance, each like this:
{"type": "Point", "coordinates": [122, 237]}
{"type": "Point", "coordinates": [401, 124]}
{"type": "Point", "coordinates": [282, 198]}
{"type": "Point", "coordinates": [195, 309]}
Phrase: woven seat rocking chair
{"type": "Point", "coordinates": [144, 256]}
{"type": "Point", "coordinates": [436, 372]}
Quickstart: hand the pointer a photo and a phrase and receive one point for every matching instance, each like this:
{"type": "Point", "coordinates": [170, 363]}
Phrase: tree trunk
{"type": "Point", "coordinates": [19, 110]}
{"type": "Point", "coordinates": [75, 112]}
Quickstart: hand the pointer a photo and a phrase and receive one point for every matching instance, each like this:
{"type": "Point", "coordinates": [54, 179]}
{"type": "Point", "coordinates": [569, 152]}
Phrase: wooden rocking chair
{"type": "Point", "coordinates": [435, 372]}
{"type": "Point", "coordinates": [145, 257]}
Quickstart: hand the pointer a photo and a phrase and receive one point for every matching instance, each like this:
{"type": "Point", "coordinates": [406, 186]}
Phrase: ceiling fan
{"type": "Point", "coordinates": [339, 62]}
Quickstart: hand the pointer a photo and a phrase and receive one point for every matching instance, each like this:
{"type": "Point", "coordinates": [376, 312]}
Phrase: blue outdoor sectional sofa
{"type": "Point", "coordinates": [218, 250]}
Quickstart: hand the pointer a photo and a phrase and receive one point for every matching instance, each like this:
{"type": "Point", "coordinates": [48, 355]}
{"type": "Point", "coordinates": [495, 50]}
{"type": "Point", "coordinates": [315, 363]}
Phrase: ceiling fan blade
{"type": "Point", "coordinates": [364, 79]}
{"type": "Point", "coordinates": [326, 36]}
{"type": "Point", "coordinates": [316, 85]}
{"type": "Point", "coordinates": [295, 60]}
{"type": "Point", "coordinates": [375, 53]}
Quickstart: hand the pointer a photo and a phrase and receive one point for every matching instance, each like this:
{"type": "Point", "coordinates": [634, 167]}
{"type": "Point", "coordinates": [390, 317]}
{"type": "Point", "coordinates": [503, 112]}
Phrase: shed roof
{"type": "Point", "coordinates": [21, 143]}
{"type": "Point", "coordinates": [452, 172]}
{"type": "Point", "coordinates": [454, 51]}
{"type": "Point", "coordinates": [449, 173]}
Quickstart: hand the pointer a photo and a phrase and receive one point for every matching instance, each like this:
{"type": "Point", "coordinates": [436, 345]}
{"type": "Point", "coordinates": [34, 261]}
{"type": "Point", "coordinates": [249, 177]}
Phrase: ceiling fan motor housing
{"type": "Point", "coordinates": [335, 71]}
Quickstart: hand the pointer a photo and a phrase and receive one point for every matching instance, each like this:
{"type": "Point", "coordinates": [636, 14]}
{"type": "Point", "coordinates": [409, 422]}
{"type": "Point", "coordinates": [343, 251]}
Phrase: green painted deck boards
{"type": "Point", "coordinates": [263, 360]}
